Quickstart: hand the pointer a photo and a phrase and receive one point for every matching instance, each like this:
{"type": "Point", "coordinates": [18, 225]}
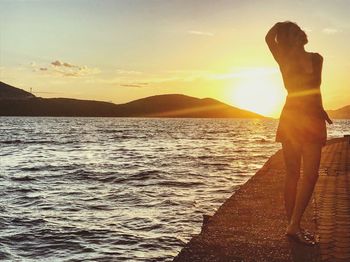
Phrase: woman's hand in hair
{"type": "Point", "coordinates": [271, 34]}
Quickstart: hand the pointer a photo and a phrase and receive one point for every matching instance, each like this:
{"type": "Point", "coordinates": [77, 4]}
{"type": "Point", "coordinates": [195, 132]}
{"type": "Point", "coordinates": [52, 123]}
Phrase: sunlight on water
{"type": "Point", "coordinates": [121, 188]}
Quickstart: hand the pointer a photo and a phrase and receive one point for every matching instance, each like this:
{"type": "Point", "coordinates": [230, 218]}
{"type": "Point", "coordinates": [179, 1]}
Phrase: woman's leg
{"type": "Point", "coordinates": [292, 159]}
{"type": "Point", "coordinates": [311, 162]}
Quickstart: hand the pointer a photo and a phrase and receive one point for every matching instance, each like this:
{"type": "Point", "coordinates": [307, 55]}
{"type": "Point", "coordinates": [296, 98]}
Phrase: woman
{"type": "Point", "coordinates": [302, 127]}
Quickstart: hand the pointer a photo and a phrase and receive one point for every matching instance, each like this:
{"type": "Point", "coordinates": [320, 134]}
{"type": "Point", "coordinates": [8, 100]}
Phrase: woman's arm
{"type": "Point", "coordinates": [270, 40]}
{"type": "Point", "coordinates": [317, 81]}
{"type": "Point", "coordinates": [317, 67]}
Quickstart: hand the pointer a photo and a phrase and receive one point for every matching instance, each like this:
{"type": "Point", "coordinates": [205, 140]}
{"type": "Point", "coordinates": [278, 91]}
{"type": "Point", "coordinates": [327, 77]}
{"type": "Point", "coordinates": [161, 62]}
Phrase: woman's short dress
{"type": "Point", "coordinates": [302, 121]}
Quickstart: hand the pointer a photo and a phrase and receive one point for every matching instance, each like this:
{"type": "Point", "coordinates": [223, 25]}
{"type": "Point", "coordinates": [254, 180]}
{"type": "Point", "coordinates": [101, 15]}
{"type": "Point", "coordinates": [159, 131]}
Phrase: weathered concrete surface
{"type": "Point", "coordinates": [332, 196]}
{"type": "Point", "coordinates": [250, 225]}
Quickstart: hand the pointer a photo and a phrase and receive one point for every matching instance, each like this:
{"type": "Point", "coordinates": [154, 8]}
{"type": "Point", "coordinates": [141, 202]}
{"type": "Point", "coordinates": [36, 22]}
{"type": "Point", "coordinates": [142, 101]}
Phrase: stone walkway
{"type": "Point", "coordinates": [332, 197]}
{"type": "Point", "coordinates": [250, 225]}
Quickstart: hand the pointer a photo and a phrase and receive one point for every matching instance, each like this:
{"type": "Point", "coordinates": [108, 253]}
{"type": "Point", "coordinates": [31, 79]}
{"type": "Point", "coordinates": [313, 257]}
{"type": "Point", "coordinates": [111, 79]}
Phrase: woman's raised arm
{"type": "Point", "coordinates": [270, 39]}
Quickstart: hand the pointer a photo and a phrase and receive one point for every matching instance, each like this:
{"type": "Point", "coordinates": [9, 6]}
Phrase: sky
{"type": "Point", "coordinates": [123, 50]}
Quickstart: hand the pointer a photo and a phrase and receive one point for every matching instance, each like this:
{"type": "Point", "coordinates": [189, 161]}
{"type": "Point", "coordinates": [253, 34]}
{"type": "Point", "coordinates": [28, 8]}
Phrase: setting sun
{"type": "Point", "coordinates": [263, 95]}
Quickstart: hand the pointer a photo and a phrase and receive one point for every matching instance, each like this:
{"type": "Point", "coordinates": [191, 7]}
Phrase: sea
{"type": "Point", "coordinates": [121, 189]}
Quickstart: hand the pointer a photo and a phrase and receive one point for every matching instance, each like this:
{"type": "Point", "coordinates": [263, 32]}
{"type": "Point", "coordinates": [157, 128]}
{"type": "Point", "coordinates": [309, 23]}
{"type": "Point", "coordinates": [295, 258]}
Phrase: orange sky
{"type": "Point", "coordinates": [124, 50]}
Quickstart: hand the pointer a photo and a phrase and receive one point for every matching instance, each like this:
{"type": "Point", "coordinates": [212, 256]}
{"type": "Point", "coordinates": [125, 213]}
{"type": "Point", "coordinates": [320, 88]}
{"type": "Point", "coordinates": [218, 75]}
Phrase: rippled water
{"type": "Point", "coordinates": [114, 189]}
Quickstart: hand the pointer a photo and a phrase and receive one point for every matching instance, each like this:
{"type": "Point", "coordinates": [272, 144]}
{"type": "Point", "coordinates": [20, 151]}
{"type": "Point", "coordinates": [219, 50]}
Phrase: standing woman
{"type": "Point", "coordinates": [302, 126]}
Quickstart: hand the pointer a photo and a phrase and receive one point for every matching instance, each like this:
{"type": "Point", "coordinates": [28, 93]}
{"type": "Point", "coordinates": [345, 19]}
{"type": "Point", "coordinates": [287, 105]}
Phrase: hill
{"type": "Point", "coordinates": [55, 107]}
{"type": "Point", "coordinates": [16, 102]}
{"type": "Point", "coordinates": [11, 92]}
{"type": "Point", "coordinates": [341, 113]}
{"type": "Point", "coordinates": [177, 105]}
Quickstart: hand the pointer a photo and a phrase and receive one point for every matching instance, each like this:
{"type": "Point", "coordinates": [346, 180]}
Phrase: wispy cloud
{"type": "Point", "coordinates": [135, 85]}
{"type": "Point", "coordinates": [59, 68]}
{"type": "Point", "coordinates": [195, 32]}
{"type": "Point", "coordinates": [64, 64]}
{"type": "Point", "coordinates": [330, 31]}
{"type": "Point", "coordinates": [56, 63]}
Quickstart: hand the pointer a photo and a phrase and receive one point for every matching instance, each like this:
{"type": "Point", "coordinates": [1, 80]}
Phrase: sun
{"type": "Point", "coordinates": [261, 94]}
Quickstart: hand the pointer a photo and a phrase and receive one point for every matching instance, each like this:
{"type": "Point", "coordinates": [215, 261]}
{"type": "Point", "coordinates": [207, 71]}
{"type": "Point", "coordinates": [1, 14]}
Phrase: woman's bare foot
{"type": "Point", "coordinates": [300, 235]}
{"type": "Point", "coordinates": [312, 236]}
{"type": "Point", "coordinates": [301, 238]}
{"type": "Point", "coordinates": [292, 229]}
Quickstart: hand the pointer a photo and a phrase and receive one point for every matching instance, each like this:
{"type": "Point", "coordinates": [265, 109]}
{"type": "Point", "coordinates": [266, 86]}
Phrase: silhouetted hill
{"type": "Point", "coordinates": [177, 105]}
{"type": "Point", "coordinates": [170, 105]}
{"type": "Point", "coordinates": [56, 107]}
{"type": "Point", "coordinates": [341, 113]}
{"type": "Point", "coordinates": [11, 92]}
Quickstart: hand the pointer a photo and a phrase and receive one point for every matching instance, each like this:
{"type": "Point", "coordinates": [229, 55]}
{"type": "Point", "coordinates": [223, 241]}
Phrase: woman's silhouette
{"type": "Point", "coordinates": [302, 127]}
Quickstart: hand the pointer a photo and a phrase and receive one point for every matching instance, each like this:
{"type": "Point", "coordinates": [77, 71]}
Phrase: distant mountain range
{"type": "Point", "coordinates": [17, 102]}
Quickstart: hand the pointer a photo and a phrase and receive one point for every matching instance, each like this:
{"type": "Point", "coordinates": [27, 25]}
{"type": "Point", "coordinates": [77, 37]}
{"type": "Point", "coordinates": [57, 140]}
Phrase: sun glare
{"type": "Point", "coordinates": [261, 94]}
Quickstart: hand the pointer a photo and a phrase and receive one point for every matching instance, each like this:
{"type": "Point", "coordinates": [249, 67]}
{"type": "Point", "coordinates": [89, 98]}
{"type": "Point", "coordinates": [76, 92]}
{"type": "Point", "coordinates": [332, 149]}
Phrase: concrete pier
{"type": "Point", "coordinates": [250, 225]}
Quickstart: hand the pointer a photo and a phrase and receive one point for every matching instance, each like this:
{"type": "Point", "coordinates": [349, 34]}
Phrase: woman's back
{"type": "Point", "coordinates": [303, 74]}
{"type": "Point", "coordinates": [303, 84]}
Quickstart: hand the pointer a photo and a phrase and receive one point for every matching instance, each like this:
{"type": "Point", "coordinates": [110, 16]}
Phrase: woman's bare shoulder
{"type": "Point", "coordinates": [317, 57]}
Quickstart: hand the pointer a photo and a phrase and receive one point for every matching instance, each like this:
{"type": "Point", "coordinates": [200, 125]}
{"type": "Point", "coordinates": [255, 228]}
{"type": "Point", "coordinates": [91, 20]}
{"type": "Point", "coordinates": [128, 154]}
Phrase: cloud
{"type": "Point", "coordinates": [65, 64]}
{"type": "Point", "coordinates": [56, 63]}
{"type": "Point", "coordinates": [68, 65]}
{"type": "Point", "coordinates": [330, 31]}
{"type": "Point", "coordinates": [59, 68]}
{"type": "Point", "coordinates": [194, 32]}
{"type": "Point", "coordinates": [83, 71]}
{"type": "Point", "coordinates": [135, 85]}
